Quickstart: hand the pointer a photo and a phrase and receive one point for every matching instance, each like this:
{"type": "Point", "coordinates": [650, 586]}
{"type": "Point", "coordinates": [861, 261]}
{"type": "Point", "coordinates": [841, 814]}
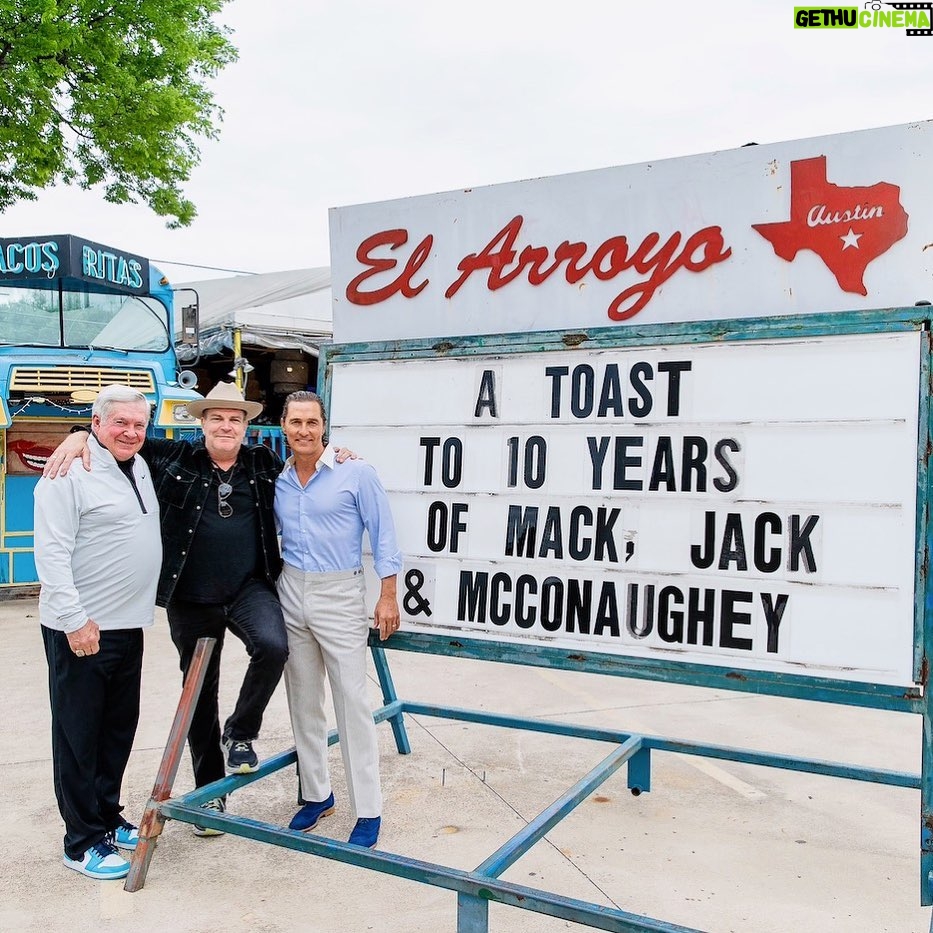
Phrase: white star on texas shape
{"type": "Point", "coordinates": [850, 239]}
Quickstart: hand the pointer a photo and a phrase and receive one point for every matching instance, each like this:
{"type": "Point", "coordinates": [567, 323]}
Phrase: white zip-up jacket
{"type": "Point", "coordinates": [98, 545]}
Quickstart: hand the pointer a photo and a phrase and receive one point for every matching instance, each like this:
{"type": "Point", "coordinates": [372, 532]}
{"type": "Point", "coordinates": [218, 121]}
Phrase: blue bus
{"type": "Point", "coordinates": [76, 316]}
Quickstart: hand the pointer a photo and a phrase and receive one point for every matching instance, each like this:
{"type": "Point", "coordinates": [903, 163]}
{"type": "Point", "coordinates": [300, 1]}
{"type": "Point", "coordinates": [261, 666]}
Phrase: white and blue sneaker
{"type": "Point", "coordinates": [125, 836]}
{"type": "Point", "coordinates": [101, 861]}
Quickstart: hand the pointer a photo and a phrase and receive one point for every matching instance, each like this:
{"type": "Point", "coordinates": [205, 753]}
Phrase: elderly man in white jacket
{"type": "Point", "coordinates": [98, 553]}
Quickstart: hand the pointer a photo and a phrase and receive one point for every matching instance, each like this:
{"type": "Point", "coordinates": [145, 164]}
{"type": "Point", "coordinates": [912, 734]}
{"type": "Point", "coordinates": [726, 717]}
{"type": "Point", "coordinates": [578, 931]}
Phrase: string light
{"type": "Point", "coordinates": [39, 400]}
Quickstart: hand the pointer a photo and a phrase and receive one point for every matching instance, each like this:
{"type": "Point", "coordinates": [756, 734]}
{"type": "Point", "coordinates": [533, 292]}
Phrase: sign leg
{"type": "Point", "coordinates": [472, 914]}
{"type": "Point", "coordinates": [389, 696]}
{"type": "Point", "coordinates": [639, 772]}
{"type": "Point", "coordinates": [152, 822]}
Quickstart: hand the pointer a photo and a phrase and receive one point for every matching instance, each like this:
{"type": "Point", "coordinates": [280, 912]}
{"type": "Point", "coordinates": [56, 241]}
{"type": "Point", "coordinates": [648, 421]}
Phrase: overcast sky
{"type": "Point", "coordinates": [353, 101]}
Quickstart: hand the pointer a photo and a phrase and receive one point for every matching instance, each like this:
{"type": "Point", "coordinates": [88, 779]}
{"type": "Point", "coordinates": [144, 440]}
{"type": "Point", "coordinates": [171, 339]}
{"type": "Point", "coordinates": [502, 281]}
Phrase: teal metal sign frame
{"type": "Point", "coordinates": [476, 889]}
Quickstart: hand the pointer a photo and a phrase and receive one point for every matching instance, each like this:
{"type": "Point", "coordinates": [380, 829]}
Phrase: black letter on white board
{"type": "Point", "coordinates": [487, 395]}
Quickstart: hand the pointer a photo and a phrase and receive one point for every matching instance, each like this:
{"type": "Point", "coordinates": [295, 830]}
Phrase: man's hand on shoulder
{"type": "Point", "coordinates": [72, 447]}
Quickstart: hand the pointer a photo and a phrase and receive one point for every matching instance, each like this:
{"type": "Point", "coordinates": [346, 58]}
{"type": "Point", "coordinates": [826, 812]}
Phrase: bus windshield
{"type": "Point", "coordinates": [78, 318]}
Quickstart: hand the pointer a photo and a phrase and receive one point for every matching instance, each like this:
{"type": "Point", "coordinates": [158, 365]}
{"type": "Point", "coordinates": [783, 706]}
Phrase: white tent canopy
{"type": "Point", "coordinates": [278, 310]}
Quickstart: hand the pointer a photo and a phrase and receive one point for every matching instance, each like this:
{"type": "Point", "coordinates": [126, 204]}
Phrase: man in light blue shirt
{"type": "Point", "coordinates": [322, 510]}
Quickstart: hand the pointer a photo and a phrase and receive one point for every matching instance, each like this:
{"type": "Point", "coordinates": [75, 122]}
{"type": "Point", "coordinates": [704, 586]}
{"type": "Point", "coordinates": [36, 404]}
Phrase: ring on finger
{"type": "Point", "coordinates": [79, 652]}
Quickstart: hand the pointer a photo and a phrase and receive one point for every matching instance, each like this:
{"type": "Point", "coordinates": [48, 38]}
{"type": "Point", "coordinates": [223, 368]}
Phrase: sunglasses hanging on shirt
{"type": "Point", "coordinates": [224, 491]}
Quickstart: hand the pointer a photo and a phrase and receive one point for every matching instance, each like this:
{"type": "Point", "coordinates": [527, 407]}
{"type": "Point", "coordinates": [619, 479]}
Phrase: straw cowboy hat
{"type": "Point", "coordinates": [224, 395]}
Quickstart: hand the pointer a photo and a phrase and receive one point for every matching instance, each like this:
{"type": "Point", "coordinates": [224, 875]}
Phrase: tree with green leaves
{"type": "Point", "coordinates": [109, 93]}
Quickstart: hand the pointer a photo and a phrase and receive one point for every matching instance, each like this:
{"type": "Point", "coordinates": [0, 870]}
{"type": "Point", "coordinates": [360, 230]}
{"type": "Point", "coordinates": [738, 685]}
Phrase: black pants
{"type": "Point", "coordinates": [255, 617]}
{"type": "Point", "coordinates": [95, 709]}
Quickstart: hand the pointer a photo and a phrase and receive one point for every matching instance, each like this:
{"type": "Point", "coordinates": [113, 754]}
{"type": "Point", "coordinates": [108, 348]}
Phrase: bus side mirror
{"type": "Point", "coordinates": [189, 326]}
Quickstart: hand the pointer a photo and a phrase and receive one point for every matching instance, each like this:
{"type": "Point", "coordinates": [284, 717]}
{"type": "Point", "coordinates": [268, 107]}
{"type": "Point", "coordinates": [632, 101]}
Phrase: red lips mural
{"type": "Point", "coordinates": [32, 456]}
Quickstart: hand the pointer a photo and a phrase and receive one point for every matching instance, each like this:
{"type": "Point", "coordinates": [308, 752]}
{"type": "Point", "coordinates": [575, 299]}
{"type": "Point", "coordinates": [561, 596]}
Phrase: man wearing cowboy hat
{"type": "Point", "coordinates": [221, 560]}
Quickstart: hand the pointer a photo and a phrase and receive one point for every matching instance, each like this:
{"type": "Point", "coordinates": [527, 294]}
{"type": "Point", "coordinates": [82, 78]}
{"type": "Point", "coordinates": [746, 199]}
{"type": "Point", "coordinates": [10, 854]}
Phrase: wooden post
{"type": "Point", "coordinates": [152, 822]}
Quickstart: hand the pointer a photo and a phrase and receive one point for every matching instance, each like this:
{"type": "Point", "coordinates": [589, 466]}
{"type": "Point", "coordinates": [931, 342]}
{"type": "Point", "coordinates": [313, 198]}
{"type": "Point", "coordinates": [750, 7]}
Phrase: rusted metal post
{"type": "Point", "coordinates": [150, 826]}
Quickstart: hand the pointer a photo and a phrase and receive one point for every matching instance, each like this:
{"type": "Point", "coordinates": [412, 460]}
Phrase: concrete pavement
{"type": "Point", "coordinates": [718, 846]}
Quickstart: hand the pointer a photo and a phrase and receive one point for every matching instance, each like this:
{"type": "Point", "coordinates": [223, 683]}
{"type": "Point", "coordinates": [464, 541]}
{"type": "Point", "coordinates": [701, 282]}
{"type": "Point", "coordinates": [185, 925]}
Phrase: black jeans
{"type": "Point", "coordinates": [255, 617]}
{"type": "Point", "coordinates": [95, 709]}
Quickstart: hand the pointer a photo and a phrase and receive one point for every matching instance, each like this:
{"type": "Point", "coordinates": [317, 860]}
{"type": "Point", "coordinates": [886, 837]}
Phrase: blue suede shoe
{"type": "Point", "coordinates": [306, 818]}
{"type": "Point", "coordinates": [366, 832]}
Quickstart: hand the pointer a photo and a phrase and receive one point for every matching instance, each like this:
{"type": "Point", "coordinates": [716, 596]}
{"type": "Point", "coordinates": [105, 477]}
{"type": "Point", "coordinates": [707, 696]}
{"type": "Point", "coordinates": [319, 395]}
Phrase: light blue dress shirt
{"type": "Point", "coordinates": [322, 523]}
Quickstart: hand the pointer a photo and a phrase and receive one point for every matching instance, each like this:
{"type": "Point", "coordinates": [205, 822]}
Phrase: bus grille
{"type": "Point", "coordinates": [65, 379]}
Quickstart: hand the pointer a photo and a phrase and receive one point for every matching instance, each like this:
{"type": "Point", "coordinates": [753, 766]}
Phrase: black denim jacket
{"type": "Point", "coordinates": [181, 474]}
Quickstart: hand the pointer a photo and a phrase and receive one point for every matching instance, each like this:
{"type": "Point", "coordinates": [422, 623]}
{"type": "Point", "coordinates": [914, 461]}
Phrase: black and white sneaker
{"type": "Point", "coordinates": [220, 805]}
{"type": "Point", "coordinates": [241, 759]}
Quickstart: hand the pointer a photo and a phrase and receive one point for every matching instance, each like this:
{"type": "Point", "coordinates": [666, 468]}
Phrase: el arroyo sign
{"type": "Point", "coordinates": [827, 224]}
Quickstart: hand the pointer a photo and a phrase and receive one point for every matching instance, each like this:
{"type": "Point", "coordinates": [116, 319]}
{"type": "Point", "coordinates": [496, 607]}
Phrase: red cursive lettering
{"type": "Point", "coordinates": [820, 214]}
{"type": "Point", "coordinates": [708, 243]}
{"type": "Point", "coordinates": [612, 257]}
{"type": "Point", "coordinates": [500, 259]}
{"type": "Point", "coordinates": [497, 254]}
{"type": "Point", "coordinates": [402, 283]}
